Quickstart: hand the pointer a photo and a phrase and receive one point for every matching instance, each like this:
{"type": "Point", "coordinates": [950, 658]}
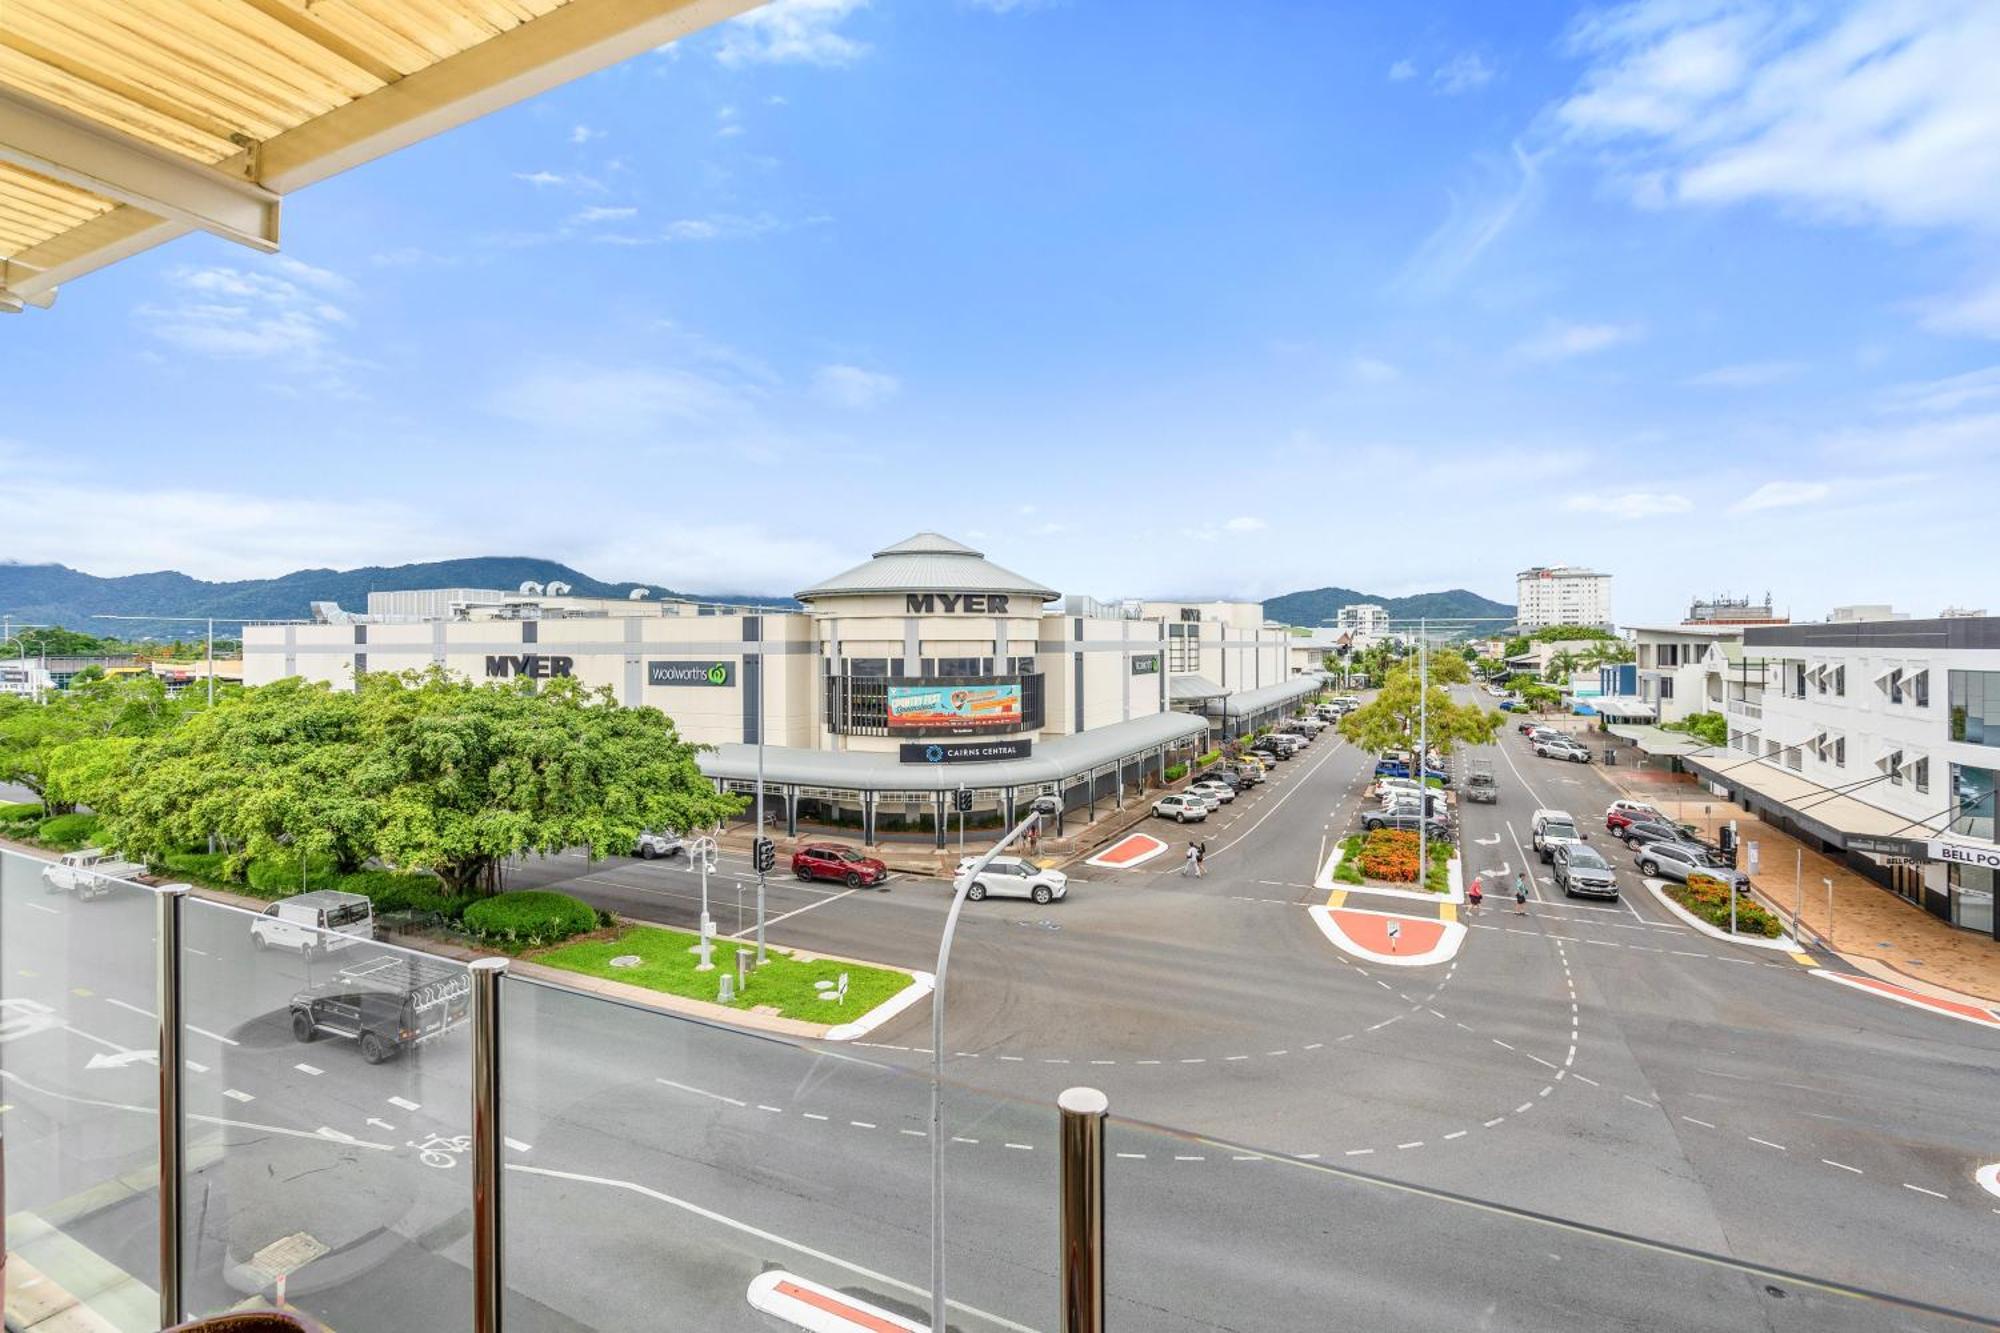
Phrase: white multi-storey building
{"type": "Point", "coordinates": [1367, 619]}
{"type": "Point", "coordinates": [1685, 669]}
{"type": "Point", "coordinates": [1880, 739]}
{"type": "Point", "coordinates": [1561, 595]}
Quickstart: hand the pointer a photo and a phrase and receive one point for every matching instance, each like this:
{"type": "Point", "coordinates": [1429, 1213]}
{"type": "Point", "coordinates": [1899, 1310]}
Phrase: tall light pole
{"type": "Point", "coordinates": [759, 834]}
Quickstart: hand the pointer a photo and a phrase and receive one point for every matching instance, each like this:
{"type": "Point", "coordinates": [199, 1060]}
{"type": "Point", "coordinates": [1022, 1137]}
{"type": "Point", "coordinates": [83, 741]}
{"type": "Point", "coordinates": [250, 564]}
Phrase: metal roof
{"type": "Point", "coordinates": [127, 123]}
{"type": "Point", "coordinates": [858, 770]}
{"type": "Point", "coordinates": [927, 562]}
{"type": "Point", "coordinates": [1184, 687]}
{"type": "Point", "coordinates": [1245, 702]}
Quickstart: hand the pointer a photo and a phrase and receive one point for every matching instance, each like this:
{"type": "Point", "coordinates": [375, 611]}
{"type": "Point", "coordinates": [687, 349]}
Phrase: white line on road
{"type": "Point", "coordinates": [152, 1113]}
{"type": "Point", "coordinates": [309, 1069]}
{"type": "Point", "coordinates": [710, 1215]}
{"type": "Point", "coordinates": [235, 1095]}
{"type": "Point", "coordinates": [1766, 1142]}
{"type": "Point", "coordinates": [784, 916]}
{"type": "Point", "coordinates": [1690, 1119]}
{"type": "Point", "coordinates": [1842, 1165]}
{"type": "Point", "coordinates": [1456, 1134]}
{"type": "Point", "coordinates": [1921, 1190]}
{"type": "Point", "coordinates": [406, 1103]}
{"type": "Point", "coordinates": [40, 908]}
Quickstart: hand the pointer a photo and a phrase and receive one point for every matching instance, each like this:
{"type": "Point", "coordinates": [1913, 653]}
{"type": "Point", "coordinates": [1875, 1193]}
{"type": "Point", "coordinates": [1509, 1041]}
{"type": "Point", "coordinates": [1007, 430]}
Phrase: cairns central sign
{"type": "Point", "coordinates": [971, 603]}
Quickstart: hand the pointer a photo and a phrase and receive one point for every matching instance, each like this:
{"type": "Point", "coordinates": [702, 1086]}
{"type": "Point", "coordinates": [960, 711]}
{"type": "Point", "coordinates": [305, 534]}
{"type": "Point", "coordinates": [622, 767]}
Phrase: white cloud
{"type": "Point", "coordinates": [1477, 217]}
{"type": "Point", "coordinates": [1461, 74]}
{"type": "Point", "coordinates": [244, 314]}
{"type": "Point", "coordinates": [1372, 370]}
{"type": "Point", "coordinates": [583, 134]}
{"type": "Point", "coordinates": [1560, 342]}
{"type": "Point", "coordinates": [801, 32]}
{"type": "Point", "coordinates": [594, 215]}
{"type": "Point", "coordinates": [1975, 313]}
{"type": "Point", "coordinates": [539, 179]}
{"type": "Point", "coordinates": [1244, 523]}
{"type": "Point", "coordinates": [1946, 395]}
{"type": "Point", "coordinates": [853, 387]}
{"type": "Point", "coordinates": [581, 400]}
{"type": "Point", "coordinates": [1630, 505]}
{"type": "Point", "coordinates": [1883, 111]}
{"type": "Point", "coordinates": [1782, 495]}
{"type": "Point", "coordinates": [1747, 375]}
{"type": "Point", "coordinates": [1401, 70]}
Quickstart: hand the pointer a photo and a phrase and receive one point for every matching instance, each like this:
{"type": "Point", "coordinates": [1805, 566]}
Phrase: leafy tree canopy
{"type": "Point", "coordinates": [1390, 719]}
{"type": "Point", "coordinates": [1708, 728]}
{"type": "Point", "coordinates": [31, 734]}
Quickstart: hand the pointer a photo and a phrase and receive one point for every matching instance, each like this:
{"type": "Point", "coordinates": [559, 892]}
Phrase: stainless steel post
{"type": "Point", "coordinates": [1082, 1151]}
{"type": "Point", "coordinates": [487, 1279]}
{"type": "Point", "coordinates": [167, 1004]}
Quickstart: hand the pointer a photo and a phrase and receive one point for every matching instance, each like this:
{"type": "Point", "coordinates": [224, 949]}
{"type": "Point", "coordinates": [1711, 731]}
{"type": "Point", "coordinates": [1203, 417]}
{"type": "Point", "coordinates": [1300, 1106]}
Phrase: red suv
{"type": "Point", "coordinates": [1625, 813]}
{"type": "Point", "coordinates": [830, 860]}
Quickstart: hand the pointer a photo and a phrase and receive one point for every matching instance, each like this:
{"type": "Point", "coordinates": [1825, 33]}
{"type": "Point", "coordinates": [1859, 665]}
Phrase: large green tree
{"type": "Point", "coordinates": [33, 734]}
{"type": "Point", "coordinates": [1390, 720]}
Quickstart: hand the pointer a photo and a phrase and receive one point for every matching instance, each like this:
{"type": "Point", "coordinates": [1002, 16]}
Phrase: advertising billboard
{"type": "Point", "coordinates": [954, 710]}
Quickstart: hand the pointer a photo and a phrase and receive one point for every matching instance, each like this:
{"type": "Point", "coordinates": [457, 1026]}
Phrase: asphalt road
{"type": "Point", "coordinates": [1598, 1064]}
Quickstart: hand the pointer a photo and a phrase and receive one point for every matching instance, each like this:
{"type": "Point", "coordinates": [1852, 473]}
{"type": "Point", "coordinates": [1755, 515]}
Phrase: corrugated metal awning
{"type": "Point", "coordinates": [127, 123]}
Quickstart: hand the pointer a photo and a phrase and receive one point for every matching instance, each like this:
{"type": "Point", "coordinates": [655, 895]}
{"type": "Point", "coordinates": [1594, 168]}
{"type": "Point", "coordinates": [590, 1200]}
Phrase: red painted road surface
{"type": "Point", "coordinates": [1370, 930]}
{"type": "Point", "coordinates": [1129, 851]}
{"type": "Point", "coordinates": [1971, 1013]}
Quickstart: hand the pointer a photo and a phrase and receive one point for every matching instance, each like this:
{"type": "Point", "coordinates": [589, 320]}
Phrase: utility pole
{"type": "Point", "coordinates": [757, 838]}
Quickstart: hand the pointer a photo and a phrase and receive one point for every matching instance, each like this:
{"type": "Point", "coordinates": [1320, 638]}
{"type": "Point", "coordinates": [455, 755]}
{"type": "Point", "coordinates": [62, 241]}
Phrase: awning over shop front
{"type": "Point", "coordinates": [858, 770]}
{"type": "Point", "coordinates": [1244, 703]}
{"type": "Point", "coordinates": [1658, 741]}
{"type": "Point", "coordinates": [1621, 706]}
{"type": "Point", "coordinates": [1827, 812]}
{"type": "Point", "coordinates": [1187, 689]}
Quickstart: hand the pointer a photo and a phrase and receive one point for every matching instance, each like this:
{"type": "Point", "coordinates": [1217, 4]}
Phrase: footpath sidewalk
{"type": "Point", "coordinates": [1871, 928]}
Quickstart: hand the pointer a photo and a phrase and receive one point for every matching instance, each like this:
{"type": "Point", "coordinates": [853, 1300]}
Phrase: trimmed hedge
{"type": "Point", "coordinates": [530, 917]}
{"type": "Point", "coordinates": [66, 833]}
{"type": "Point", "coordinates": [278, 877]}
{"type": "Point", "coordinates": [21, 813]}
{"type": "Point", "coordinates": [1175, 772]}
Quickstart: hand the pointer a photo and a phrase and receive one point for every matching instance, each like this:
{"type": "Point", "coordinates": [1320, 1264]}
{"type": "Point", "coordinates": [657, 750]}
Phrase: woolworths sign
{"type": "Point", "coordinates": [704, 673]}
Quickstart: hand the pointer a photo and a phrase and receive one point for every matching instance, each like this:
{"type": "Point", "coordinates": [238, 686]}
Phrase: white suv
{"type": "Point", "coordinates": [1178, 805]}
{"type": "Point", "coordinates": [1012, 877]}
{"type": "Point", "coordinates": [1214, 791]}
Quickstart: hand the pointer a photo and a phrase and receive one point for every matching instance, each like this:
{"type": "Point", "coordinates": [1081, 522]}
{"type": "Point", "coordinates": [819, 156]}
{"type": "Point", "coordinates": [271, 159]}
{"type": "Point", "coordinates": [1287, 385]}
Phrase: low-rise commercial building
{"type": "Point", "coordinates": [1685, 669]}
{"type": "Point", "coordinates": [1880, 739]}
{"type": "Point", "coordinates": [925, 669]}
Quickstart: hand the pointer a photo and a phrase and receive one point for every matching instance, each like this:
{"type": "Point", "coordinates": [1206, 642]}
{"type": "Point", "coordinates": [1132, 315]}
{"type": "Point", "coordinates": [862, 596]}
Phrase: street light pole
{"type": "Point", "coordinates": [760, 790]}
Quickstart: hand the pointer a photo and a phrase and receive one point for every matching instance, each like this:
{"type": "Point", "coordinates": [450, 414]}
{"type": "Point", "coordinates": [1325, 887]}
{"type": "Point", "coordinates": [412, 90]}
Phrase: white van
{"type": "Point", "coordinates": [316, 922]}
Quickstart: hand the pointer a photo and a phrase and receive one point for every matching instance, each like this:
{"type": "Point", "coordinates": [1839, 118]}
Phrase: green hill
{"type": "Point", "coordinates": [58, 595]}
{"type": "Point", "coordinates": [1319, 605]}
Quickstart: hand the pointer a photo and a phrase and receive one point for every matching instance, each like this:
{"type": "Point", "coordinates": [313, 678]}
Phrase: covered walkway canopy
{"type": "Point", "coordinates": [127, 123]}
{"type": "Point", "coordinates": [1659, 742]}
{"type": "Point", "coordinates": [1619, 707]}
{"type": "Point", "coordinates": [1830, 814]}
{"type": "Point", "coordinates": [1184, 689]}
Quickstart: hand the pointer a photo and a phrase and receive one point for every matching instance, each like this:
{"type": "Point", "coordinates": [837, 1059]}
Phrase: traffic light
{"type": "Point", "coordinates": [961, 800]}
{"type": "Point", "coordinates": [764, 855]}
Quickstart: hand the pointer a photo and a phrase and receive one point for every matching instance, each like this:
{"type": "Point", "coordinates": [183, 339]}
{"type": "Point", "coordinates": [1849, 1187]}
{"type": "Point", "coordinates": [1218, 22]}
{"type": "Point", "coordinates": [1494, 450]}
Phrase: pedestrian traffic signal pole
{"type": "Point", "coordinates": [1043, 805]}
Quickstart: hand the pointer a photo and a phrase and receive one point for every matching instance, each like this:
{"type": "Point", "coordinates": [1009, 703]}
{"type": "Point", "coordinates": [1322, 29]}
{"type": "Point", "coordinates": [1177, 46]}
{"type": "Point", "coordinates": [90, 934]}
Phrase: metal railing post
{"type": "Point", "coordinates": [1082, 1260]}
{"type": "Point", "coordinates": [167, 910]}
{"type": "Point", "coordinates": [486, 1143]}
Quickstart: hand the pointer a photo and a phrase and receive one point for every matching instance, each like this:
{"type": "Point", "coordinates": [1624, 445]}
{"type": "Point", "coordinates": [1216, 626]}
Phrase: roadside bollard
{"type": "Point", "coordinates": [728, 991]}
{"type": "Point", "coordinates": [745, 961]}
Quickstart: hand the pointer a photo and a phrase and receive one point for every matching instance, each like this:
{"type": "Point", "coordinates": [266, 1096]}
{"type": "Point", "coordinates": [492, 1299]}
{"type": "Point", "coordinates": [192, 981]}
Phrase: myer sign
{"type": "Point", "coordinates": [528, 666]}
{"type": "Point", "coordinates": [971, 603]}
{"type": "Point", "coordinates": [691, 673]}
{"type": "Point", "coordinates": [1985, 856]}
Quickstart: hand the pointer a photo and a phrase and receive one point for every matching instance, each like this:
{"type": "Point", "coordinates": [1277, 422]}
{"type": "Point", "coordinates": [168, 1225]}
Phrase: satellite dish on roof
{"type": "Point", "coordinates": [639, 594]}
{"type": "Point", "coordinates": [558, 589]}
{"type": "Point", "coordinates": [531, 588]}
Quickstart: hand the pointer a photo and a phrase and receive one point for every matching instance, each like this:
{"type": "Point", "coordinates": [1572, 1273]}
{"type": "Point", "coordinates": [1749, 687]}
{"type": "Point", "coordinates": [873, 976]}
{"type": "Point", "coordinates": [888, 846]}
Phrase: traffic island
{"type": "Point", "coordinates": [1390, 939]}
{"type": "Point", "coordinates": [1394, 863]}
{"type": "Point", "coordinates": [804, 994]}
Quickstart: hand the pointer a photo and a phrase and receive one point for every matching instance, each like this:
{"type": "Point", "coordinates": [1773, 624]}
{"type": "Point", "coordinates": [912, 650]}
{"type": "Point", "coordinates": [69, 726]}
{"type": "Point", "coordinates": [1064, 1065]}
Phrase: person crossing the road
{"type": "Point", "coordinates": [1520, 894]}
{"type": "Point", "coordinates": [1474, 895]}
{"type": "Point", "coordinates": [1193, 865]}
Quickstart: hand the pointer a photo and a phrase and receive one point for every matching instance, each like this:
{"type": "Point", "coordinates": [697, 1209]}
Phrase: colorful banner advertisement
{"type": "Point", "coordinates": [954, 709]}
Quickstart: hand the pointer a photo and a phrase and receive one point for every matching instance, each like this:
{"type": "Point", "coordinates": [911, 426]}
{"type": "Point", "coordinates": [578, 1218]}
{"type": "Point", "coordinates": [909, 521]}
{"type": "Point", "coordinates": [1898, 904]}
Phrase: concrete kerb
{"type": "Point", "coordinates": [1452, 936]}
{"type": "Point", "coordinates": [1781, 944]}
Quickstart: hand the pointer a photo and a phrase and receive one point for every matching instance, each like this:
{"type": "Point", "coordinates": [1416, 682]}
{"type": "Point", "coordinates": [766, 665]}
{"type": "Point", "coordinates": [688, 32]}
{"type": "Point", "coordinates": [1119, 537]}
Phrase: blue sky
{"type": "Point", "coordinates": [1236, 300]}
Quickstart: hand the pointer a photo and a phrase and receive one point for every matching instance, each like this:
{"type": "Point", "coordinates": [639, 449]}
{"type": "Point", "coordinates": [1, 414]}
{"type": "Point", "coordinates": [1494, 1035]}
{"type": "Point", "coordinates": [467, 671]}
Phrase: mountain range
{"type": "Point", "coordinates": [59, 595]}
{"type": "Point", "coordinates": [1320, 605]}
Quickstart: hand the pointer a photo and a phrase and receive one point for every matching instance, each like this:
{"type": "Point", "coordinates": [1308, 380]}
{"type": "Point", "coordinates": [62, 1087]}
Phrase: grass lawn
{"type": "Point", "coordinates": [782, 983]}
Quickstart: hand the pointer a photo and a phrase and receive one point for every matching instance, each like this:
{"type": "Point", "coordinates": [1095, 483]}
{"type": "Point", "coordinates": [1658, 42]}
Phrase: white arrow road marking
{"type": "Point", "coordinates": [121, 1060]}
{"type": "Point", "coordinates": [1493, 841]}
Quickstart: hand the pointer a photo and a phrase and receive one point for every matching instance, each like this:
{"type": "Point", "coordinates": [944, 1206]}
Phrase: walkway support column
{"type": "Point", "coordinates": [167, 914]}
{"type": "Point", "coordinates": [487, 1280]}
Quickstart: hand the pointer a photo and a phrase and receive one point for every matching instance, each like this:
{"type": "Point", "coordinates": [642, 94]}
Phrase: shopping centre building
{"type": "Point", "coordinates": [923, 670]}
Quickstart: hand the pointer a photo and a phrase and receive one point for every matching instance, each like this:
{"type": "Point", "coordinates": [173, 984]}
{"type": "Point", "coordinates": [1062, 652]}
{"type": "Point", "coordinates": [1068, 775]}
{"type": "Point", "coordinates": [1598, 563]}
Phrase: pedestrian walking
{"type": "Point", "coordinates": [1474, 895]}
{"type": "Point", "coordinates": [1520, 894]}
{"type": "Point", "coordinates": [1193, 864]}
{"type": "Point", "coordinates": [1201, 857]}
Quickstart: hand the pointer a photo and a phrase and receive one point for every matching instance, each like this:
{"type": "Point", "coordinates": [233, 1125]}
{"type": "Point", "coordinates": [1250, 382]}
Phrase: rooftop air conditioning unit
{"type": "Point", "coordinates": [531, 588]}
{"type": "Point", "coordinates": [639, 594]}
{"type": "Point", "coordinates": [558, 589]}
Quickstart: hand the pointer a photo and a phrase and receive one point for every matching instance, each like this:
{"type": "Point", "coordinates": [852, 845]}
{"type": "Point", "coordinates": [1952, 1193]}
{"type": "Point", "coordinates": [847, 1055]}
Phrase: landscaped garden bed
{"type": "Point", "coordinates": [783, 985]}
{"type": "Point", "coordinates": [1707, 897]}
{"type": "Point", "coordinates": [1394, 857]}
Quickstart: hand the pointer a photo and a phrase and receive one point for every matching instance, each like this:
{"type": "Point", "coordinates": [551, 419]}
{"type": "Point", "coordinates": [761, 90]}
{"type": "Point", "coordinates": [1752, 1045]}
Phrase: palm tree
{"type": "Point", "coordinates": [1562, 665]}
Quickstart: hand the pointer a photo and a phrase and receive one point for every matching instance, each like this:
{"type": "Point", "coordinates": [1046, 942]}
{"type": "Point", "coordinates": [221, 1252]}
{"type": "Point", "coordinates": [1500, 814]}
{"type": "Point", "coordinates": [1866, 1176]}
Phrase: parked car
{"type": "Point", "coordinates": [1580, 870]}
{"type": "Point", "coordinates": [1643, 831]}
{"type": "Point", "coordinates": [90, 873]}
{"type": "Point", "coordinates": [1225, 775]}
{"type": "Point", "coordinates": [387, 1005]}
{"type": "Point", "coordinates": [1013, 877]}
{"type": "Point", "coordinates": [1676, 860]}
{"type": "Point", "coordinates": [1267, 745]}
{"type": "Point", "coordinates": [654, 844]}
{"type": "Point", "coordinates": [1563, 747]}
{"type": "Point", "coordinates": [1215, 788]}
{"type": "Point", "coordinates": [315, 923]}
{"type": "Point", "coordinates": [1311, 726]}
{"type": "Point", "coordinates": [1553, 828]}
{"type": "Point", "coordinates": [831, 860]}
{"type": "Point", "coordinates": [1530, 726]}
{"type": "Point", "coordinates": [1623, 812]}
{"type": "Point", "coordinates": [1182, 807]}
{"type": "Point", "coordinates": [1433, 829]}
{"type": "Point", "coordinates": [1249, 769]}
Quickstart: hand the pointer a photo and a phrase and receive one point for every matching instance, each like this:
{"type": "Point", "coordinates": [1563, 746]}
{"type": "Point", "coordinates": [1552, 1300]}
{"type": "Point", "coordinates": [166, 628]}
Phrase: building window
{"type": "Point", "coordinates": [868, 666]}
{"type": "Point", "coordinates": [1895, 768]}
{"type": "Point", "coordinates": [1972, 794]}
{"type": "Point", "coordinates": [1974, 703]}
{"type": "Point", "coordinates": [1796, 681]}
{"type": "Point", "coordinates": [1920, 774]}
{"type": "Point", "coordinates": [963, 666]}
{"type": "Point", "coordinates": [1022, 666]}
{"type": "Point", "coordinates": [1819, 678]}
{"type": "Point", "coordinates": [1840, 681]}
{"type": "Point", "coordinates": [1972, 897]}
{"type": "Point", "coordinates": [1896, 686]}
{"type": "Point", "coordinates": [1794, 758]}
{"type": "Point", "coordinates": [1666, 687]}
{"type": "Point", "coordinates": [1840, 752]}
{"type": "Point", "coordinates": [1920, 689]}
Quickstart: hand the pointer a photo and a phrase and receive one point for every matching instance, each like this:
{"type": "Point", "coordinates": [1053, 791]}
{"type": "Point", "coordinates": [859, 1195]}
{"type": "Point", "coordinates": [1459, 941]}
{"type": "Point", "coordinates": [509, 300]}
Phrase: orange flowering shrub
{"type": "Point", "coordinates": [1392, 854]}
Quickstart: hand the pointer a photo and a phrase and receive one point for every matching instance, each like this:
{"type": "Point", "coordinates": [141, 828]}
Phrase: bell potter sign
{"type": "Point", "coordinates": [527, 666]}
{"type": "Point", "coordinates": [704, 673]}
{"type": "Point", "coordinates": [1964, 853]}
{"type": "Point", "coordinates": [965, 752]}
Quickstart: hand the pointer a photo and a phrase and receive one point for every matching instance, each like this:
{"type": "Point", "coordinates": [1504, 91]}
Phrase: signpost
{"type": "Point", "coordinates": [701, 856]}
